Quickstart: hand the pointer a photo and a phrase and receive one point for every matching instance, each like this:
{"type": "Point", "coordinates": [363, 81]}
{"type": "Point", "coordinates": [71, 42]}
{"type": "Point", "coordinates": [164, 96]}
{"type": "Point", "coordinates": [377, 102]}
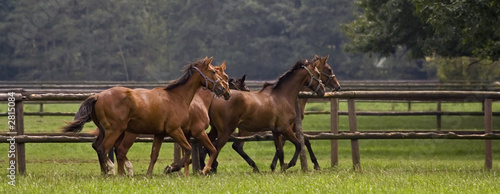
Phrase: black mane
{"type": "Point", "coordinates": [289, 73]}
{"type": "Point", "coordinates": [187, 70]}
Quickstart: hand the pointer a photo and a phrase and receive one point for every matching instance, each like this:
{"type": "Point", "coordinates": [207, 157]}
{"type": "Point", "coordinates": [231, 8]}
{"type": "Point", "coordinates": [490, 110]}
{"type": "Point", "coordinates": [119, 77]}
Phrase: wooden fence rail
{"type": "Point", "coordinates": [480, 96]}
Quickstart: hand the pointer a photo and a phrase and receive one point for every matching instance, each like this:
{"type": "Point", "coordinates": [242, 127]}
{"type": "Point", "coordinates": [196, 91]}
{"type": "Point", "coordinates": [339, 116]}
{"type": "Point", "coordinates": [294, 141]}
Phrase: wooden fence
{"type": "Point", "coordinates": [353, 134]}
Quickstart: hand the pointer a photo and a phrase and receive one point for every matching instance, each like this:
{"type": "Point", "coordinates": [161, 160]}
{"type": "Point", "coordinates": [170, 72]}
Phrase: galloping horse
{"type": "Point", "coordinates": [195, 127]}
{"type": "Point", "coordinates": [329, 79]}
{"type": "Point", "coordinates": [160, 111]}
{"type": "Point", "coordinates": [269, 109]}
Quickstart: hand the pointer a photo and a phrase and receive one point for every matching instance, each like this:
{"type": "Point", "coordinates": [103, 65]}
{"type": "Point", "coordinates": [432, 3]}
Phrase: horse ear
{"type": "Point", "coordinates": [223, 66]}
{"type": "Point", "coordinates": [323, 60]}
{"type": "Point", "coordinates": [208, 61]}
{"type": "Point", "coordinates": [316, 56]}
{"type": "Point", "coordinates": [244, 78]}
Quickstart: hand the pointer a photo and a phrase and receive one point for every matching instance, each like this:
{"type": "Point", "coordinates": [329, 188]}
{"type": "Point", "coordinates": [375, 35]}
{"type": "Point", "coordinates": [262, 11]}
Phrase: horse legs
{"type": "Point", "coordinates": [238, 147]}
{"type": "Point", "coordinates": [279, 150]}
{"type": "Point", "coordinates": [290, 135]}
{"type": "Point", "coordinates": [202, 137]}
{"type": "Point", "coordinates": [212, 135]}
{"type": "Point", "coordinates": [311, 154]}
{"type": "Point", "coordinates": [122, 148]}
{"type": "Point", "coordinates": [108, 142]}
{"type": "Point", "coordinates": [155, 151]}
{"type": "Point", "coordinates": [179, 137]}
{"type": "Point", "coordinates": [96, 144]}
{"type": "Point", "coordinates": [275, 159]}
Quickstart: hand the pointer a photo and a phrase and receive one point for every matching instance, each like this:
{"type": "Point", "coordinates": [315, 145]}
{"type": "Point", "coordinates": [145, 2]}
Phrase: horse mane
{"type": "Point", "coordinates": [287, 74]}
{"type": "Point", "coordinates": [187, 73]}
{"type": "Point", "coordinates": [267, 84]}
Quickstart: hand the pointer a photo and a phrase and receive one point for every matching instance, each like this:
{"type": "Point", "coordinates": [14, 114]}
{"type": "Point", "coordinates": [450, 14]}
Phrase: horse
{"type": "Point", "coordinates": [329, 80]}
{"type": "Point", "coordinates": [160, 111]}
{"type": "Point", "coordinates": [198, 122]}
{"type": "Point", "coordinates": [271, 108]}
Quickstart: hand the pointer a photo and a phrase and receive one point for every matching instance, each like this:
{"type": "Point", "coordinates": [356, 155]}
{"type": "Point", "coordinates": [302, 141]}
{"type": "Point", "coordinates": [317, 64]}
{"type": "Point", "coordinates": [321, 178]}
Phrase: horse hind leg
{"type": "Point", "coordinates": [238, 147]}
{"type": "Point", "coordinates": [104, 161]}
{"type": "Point", "coordinates": [122, 149]}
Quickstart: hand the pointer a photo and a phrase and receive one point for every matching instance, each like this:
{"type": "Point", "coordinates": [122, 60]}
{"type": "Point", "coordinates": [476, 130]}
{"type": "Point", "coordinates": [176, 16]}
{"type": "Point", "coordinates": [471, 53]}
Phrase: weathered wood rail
{"type": "Point", "coordinates": [354, 135]}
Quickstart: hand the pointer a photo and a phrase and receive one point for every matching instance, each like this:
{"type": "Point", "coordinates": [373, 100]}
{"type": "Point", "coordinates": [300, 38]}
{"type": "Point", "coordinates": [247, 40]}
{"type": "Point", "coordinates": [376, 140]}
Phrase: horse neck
{"type": "Point", "coordinates": [185, 92]}
{"type": "Point", "coordinates": [291, 87]}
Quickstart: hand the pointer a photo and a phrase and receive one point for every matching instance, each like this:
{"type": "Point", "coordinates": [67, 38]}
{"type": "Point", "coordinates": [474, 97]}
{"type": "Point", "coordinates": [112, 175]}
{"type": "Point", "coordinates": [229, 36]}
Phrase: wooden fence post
{"type": "Point", "coordinates": [488, 129]}
{"type": "Point", "coordinates": [300, 136]}
{"type": "Point", "coordinates": [334, 128]}
{"type": "Point", "coordinates": [177, 152]}
{"type": "Point", "coordinates": [41, 109]}
{"type": "Point", "coordinates": [20, 147]}
{"type": "Point", "coordinates": [195, 156]}
{"type": "Point", "coordinates": [353, 128]}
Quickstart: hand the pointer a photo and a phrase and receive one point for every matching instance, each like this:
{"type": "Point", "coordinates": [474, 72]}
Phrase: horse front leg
{"type": "Point", "coordinates": [155, 151]}
{"type": "Point", "coordinates": [275, 159]}
{"type": "Point", "coordinates": [290, 135]}
{"type": "Point", "coordinates": [311, 154]}
{"type": "Point", "coordinates": [179, 137]}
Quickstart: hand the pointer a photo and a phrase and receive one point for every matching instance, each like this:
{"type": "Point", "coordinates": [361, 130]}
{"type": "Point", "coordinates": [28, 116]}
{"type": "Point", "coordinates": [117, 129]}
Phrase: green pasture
{"type": "Point", "coordinates": [388, 166]}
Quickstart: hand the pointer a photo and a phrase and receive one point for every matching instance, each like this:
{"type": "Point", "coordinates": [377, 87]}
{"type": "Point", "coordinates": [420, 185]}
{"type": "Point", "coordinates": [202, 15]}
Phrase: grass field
{"type": "Point", "coordinates": [388, 166]}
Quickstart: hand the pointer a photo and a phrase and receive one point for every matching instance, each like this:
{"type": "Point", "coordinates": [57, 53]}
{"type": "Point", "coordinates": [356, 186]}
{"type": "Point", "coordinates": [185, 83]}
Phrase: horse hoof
{"type": "Point", "coordinates": [316, 167]}
{"type": "Point", "coordinates": [284, 167]}
{"type": "Point", "coordinates": [168, 169]}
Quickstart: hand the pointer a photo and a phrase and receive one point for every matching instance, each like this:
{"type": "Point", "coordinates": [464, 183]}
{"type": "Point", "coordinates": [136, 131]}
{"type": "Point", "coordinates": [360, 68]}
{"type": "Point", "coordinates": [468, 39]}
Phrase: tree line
{"type": "Point", "coordinates": [151, 40]}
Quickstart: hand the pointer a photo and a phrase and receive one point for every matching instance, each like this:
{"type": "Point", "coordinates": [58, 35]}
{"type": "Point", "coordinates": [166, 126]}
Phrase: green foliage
{"type": "Point", "coordinates": [465, 69]}
{"type": "Point", "coordinates": [151, 40]}
{"type": "Point", "coordinates": [427, 28]}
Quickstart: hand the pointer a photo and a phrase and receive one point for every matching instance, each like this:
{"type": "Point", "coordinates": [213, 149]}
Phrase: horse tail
{"type": "Point", "coordinates": [82, 116]}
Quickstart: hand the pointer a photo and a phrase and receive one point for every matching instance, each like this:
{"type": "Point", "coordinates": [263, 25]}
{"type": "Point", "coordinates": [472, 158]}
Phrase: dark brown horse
{"type": "Point", "coordinates": [269, 109]}
{"type": "Point", "coordinates": [195, 127]}
{"type": "Point", "coordinates": [329, 79]}
{"type": "Point", "coordinates": [160, 111]}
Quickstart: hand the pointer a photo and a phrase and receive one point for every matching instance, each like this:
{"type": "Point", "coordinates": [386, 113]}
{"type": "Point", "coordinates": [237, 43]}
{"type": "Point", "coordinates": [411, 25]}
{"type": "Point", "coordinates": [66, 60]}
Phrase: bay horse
{"type": "Point", "coordinates": [271, 108]}
{"type": "Point", "coordinates": [160, 111]}
{"type": "Point", "coordinates": [329, 80]}
{"type": "Point", "coordinates": [195, 127]}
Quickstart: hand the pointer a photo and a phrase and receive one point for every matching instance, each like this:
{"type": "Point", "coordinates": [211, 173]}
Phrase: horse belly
{"type": "Point", "coordinates": [256, 124]}
{"type": "Point", "coordinates": [144, 127]}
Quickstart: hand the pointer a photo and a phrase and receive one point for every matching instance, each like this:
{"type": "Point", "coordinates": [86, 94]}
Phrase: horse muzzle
{"type": "Point", "coordinates": [227, 96]}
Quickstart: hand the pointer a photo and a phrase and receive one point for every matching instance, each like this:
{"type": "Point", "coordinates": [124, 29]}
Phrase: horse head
{"type": "Point", "coordinates": [215, 78]}
{"type": "Point", "coordinates": [238, 83]}
{"type": "Point", "coordinates": [327, 75]}
{"type": "Point", "coordinates": [314, 83]}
